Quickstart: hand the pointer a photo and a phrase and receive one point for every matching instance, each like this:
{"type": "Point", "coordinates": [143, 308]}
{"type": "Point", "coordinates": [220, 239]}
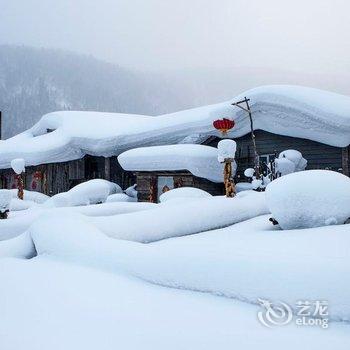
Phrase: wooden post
{"type": "Point", "coordinates": [20, 186]}
{"type": "Point", "coordinates": [108, 169]}
{"type": "Point", "coordinates": [230, 189]}
{"type": "Point", "coordinates": [345, 160]}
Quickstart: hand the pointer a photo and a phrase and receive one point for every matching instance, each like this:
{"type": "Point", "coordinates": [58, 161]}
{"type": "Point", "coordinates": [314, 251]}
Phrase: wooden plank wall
{"type": "Point", "coordinates": [318, 155]}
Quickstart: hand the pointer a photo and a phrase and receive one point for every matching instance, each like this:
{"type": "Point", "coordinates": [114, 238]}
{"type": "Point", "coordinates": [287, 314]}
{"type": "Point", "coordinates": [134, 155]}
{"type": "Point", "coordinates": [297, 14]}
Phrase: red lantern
{"type": "Point", "coordinates": [223, 125]}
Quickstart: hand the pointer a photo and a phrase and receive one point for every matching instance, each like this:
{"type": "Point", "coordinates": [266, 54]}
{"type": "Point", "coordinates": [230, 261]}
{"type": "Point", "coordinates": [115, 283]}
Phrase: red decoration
{"type": "Point", "coordinates": [223, 125]}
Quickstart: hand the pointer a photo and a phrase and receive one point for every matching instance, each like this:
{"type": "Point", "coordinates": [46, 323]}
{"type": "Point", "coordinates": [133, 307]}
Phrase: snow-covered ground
{"type": "Point", "coordinates": [188, 273]}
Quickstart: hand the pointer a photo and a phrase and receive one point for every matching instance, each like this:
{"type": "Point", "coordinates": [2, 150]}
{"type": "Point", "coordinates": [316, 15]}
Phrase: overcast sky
{"type": "Point", "coordinates": [302, 35]}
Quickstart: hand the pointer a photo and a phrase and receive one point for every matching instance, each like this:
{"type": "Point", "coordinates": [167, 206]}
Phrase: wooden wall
{"type": "Point", "coordinates": [60, 177]}
{"type": "Point", "coordinates": [147, 180]}
{"type": "Point", "coordinates": [318, 155]}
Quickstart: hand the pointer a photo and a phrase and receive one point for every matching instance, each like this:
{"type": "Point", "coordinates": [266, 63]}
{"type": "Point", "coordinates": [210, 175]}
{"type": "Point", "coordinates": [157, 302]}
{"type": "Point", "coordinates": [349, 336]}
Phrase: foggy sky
{"type": "Point", "coordinates": [305, 36]}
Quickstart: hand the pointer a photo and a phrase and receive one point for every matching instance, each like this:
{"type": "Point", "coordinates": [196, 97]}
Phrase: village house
{"type": "Point", "coordinates": [66, 148]}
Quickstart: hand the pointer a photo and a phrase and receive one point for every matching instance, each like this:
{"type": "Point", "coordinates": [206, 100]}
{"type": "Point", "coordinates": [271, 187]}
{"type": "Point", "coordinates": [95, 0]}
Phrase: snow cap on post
{"type": "Point", "coordinates": [18, 165]}
{"type": "Point", "coordinates": [226, 150]}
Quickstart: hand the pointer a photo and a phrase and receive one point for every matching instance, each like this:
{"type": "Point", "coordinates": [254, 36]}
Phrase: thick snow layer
{"type": "Point", "coordinates": [89, 192]}
{"type": "Point", "coordinates": [309, 199]}
{"type": "Point", "coordinates": [246, 261]}
{"type": "Point", "coordinates": [47, 304]}
{"type": "Point", "coordinates": [18, 165]}
{"type": "Point", "coordinates": [32, 196]}
{"type": "Point", "coordinates": [200, 160]}
{"type": "Point", "coordinates": [226, 150]}
{"type": "Point", "coordinates": [183, 193]}
{"type": "Point", "coordinates": [18, 222]}
{"type": "Point", "coordinates": [120, 197]}
{"type": "Point", "coordinates": [290, 161]}
{"type": "Point", "coordinates": [5, 200]}
{"type": "Point", "coordinates": [189, 217]}
{"type": "Point", "coordinates": [287, 110]}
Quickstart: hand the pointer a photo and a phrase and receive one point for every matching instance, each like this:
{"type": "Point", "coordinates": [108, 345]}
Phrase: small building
{"type": "Point", "coordinates": [66, 148]}
{"type": "Point", "coordinates": [161, 168]}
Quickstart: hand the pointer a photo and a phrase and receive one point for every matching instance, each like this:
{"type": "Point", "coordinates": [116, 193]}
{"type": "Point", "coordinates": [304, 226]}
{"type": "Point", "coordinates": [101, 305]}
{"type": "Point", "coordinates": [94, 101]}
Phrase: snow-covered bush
{"type": "Point", "coordinates": [131, 191]}
{"type": "Point", "coordinates": [226, 150]}
{"type": "Point", "coordinates": [309, 198]}
{"type": "Point", "coordinates": [5, 200]}
{"type": "Point", "coordinates": [183, 193]}
{"type": "Point", "coordinates": [120, 197]}
{"type": "Point", "coordinates": [290, 161]}
{"type": "Point", "coordinates": [32, 196]}
{"type": "Point", "coordinates": [89, 192]}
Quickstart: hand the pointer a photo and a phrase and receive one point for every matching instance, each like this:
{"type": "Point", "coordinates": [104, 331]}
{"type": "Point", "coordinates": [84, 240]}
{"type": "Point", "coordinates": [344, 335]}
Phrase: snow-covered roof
{"type": "Point", "coordinates": [286, 110]}
{"type": "Point", "coordinates": [201, 161]}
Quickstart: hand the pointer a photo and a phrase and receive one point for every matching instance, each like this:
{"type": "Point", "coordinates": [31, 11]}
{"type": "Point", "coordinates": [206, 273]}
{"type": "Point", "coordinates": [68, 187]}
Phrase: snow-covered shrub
{"type": "Point", "coordinates": [32, 196]}
{"type": "Point", "coordinates": [183, 193]}
{"type": "Point", "coordinates": [249, 172]}
{"type": "Point", "coordinates": [290, 161]}
{"type": "Point", "coordinates": [5, 200]}
{"type": "Point", "coordinates": [89, 192]}
{"type": "Point", "coordinates": [120, 197]}
{"type": "Point", "coordinates": [226, 150]}
{"type": "Point", "coordinates": [131, 191]}
{"type": "Point", "coordinates": [309, 198]}
{"type": "Point", "coordinates": [18, 165]}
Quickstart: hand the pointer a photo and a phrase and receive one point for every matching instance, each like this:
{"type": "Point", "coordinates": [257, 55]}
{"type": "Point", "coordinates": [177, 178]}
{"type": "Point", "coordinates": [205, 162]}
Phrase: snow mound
{"type": "Point", "coordinates": [89, 192]}
{"type": "Point", "coordinates": [200, 160]}
{"type": "Point", "coordinates": [120, 197]}
{"type": "Point", "coordinates": [186, 218]}
{"type": "Point", "coordinates": [5, 200]}
{"type": "Point", "coordinates": [32, 196]}
{"type": "Point", "coordinates": [309, 198]}
{"type": "Point", "coordinates": [183, 193]}
{"type": "Point", "coordinates": [290, 161]}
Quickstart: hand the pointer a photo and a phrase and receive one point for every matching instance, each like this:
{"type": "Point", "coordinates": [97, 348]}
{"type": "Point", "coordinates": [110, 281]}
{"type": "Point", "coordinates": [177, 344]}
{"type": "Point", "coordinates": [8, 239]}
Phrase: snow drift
{"type": "Point", "coordinates": [309, 199]}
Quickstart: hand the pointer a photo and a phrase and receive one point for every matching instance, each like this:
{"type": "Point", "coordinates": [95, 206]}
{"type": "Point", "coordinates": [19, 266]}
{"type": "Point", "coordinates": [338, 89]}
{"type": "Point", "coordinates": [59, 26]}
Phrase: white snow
{"type": "Point", "coordinates": [18, 165]}
{"type": "Point", "coordinates": [200, 160]}
{"type": "Point", "coordinates": [89, 192]}
{"type": "Point", "coordinates": [32, 196]}
{"type": "Point", "coordinates": [187, 218]}
{"type": "Point", "coordinates": [226, 150]}
{"type": "Point", "coordinates": [286, 110]}
{"type": "Point", "coordinates": [120, 197]}
{"type": "Point", "coordinates": [290, 161]}
{"type": "Point", "coordinates": [249, 172]}
{"type": "Point", "coordinates": [183, 194]}
{"type": "Point", "coordinates": [5, 200]}
{"type": "Point", "coordinates": [309, 198]}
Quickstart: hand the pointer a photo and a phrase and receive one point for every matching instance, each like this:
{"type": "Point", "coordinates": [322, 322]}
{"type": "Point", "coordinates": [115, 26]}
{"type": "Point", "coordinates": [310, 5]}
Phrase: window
{"type": "Point", "coordinates": [265, 160]}
{"type": "Point", "coordinates": [165, 183]}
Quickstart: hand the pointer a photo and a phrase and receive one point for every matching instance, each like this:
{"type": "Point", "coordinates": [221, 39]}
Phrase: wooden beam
{"type": "Point", "coordinates": [108, 169]}
{"type": "Point", "coordinates": [345, 160]}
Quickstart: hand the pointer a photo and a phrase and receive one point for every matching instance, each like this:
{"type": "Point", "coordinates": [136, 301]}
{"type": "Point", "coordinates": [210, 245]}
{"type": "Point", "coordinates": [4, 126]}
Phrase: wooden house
{"type": "Point", "coordinates": [66, 148]}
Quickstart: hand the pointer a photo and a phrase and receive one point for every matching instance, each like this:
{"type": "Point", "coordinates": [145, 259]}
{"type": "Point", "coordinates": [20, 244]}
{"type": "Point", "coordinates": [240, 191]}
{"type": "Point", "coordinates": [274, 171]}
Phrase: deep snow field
{"type": "Point", "coordinates": [187, 273]}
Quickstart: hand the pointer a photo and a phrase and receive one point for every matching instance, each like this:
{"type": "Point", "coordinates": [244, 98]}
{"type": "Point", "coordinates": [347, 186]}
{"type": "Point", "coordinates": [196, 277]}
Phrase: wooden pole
{"type": "Point", "coordinates": [230, 189]}
{"type": "Point", "coordinates": [20, 186]}
{"type": "Point", "coordinates": [256, 154]}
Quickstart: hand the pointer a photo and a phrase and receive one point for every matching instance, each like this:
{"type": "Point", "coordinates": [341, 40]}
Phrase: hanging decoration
{"type": "Point", "coordinates": [223, 125]}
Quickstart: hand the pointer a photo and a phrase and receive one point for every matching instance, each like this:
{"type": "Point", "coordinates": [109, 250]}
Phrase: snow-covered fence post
{"type": "Point", "coordinates": [226, 155]}
{"type": "Point", "coordinates": [18, 166]}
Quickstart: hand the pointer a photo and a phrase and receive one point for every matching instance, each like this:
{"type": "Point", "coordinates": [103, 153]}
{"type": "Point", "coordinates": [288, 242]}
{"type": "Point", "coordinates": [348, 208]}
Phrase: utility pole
{"type": "Point", "coordinates": [249, 111]}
